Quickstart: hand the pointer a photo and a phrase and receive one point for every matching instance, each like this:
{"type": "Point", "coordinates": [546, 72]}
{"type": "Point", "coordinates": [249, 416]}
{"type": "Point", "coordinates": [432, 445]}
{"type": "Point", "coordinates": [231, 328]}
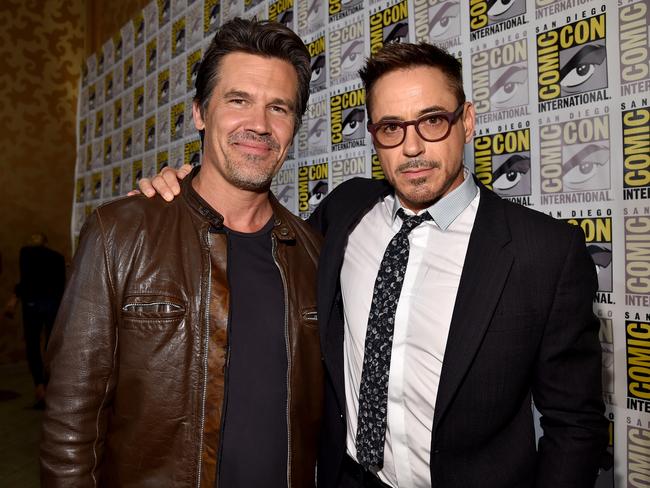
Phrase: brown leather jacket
{"type": "Point", "coordinates": [137, 356]}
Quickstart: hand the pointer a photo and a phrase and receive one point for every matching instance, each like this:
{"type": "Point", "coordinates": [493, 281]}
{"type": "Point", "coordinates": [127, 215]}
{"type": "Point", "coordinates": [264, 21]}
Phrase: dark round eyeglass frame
{"type": "Point", "coordinates": [451, 118]}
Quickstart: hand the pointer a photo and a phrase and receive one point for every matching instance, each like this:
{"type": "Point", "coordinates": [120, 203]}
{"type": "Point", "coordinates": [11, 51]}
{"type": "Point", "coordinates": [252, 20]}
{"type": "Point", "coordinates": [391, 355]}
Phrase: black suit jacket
{"type": "Point", "coordinates": [522, 326]}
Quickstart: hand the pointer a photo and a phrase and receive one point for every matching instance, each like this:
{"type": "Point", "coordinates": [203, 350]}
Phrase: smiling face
{"type": "Point", "coordinates": [421, 172]}
{"type": "Point", "coordinates": [250, 119]}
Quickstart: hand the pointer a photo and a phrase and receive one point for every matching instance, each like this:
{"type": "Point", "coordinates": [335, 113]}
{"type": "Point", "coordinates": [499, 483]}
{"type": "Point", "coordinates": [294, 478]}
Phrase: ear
{"type": "Point", "coordinates": [469, 121]}
{"type": "Point", "coordinates": [196, 115]}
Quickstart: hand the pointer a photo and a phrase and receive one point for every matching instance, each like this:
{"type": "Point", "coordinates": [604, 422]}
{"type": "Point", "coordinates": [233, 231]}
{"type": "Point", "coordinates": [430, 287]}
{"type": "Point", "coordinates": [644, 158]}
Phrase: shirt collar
{"type": "Point", "coordinates": [448, 208]}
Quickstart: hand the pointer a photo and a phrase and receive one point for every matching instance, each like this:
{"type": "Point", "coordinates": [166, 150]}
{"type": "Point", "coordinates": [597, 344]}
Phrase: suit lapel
{"type": "Point", "coordinates": [333, 250]}
{"type": "Point", "coordinates": [329, 269]}
{"type": "Point", "coordinates": [486, 268]}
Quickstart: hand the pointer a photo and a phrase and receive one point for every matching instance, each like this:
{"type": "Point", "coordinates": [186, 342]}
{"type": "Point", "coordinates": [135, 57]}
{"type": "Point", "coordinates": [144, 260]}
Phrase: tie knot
{"type": "Point", "coordinates": [410, 222]}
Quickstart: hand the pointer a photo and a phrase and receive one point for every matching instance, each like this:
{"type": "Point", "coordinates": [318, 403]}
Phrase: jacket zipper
{"type": "Point", "coordinates": [286, 343]}
{"type": "Point", "coordinates": [310, 315]}
{"type": "Point", "coordinates": [205, 363]}
{"type": "Point", "coordinates": [225, 375]}
{"type": "Point", "coordinates": [134, 305]}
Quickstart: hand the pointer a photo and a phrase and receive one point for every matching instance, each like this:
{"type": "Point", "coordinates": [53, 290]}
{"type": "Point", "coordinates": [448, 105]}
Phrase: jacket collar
{"type": "Point", "coordinates": [282, 229]}
{"type": "Point", "coordinates": [197, 203]}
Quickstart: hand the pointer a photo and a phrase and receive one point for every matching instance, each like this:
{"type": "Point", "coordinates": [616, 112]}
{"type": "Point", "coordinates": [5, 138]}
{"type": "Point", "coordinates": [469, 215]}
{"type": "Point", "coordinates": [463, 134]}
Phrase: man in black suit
{"type": "Point", "coordinates": [438, 330]}
{"type": "Point", "coordinates": [495, 308]}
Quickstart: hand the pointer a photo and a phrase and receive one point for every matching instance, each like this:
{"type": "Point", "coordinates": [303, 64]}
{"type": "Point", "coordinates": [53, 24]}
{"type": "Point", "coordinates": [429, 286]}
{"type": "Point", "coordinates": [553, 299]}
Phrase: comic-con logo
{"type": "Point", "coordinates": [598, 237]}
{"type": "Point", "coordinates": [376, 171]}
{"type": "Point", "coordinates": [312, 136]}
{"type": "Point", "coordinates": [544, 8]}
{"type": "Point", "coordinates": [138, 28]}
{"type": "Point", "coordinates": [281, 11]}
{"type": "Point", "coordinates": [80, 190]}
{"type": "Point", "coordinates": [338, 9]}
{"type": "Point", "coordinates": [177, 121]}
{"type": "Point", "coordinates": [116, 181]}
{"type": "Point", "coordinates": [636, 152]}
{"type": "Point", "coordinates": [178, 37]}
{"type": "Point", "coordinates": [108, 151]}
{"type": "Point", "coordinates": [162, 160]}
{"type": "Point", "coordinates": [89, 157]}
{"type": "Point", "coordinates": [152, 56]}
{"type": "Point", "coordinates": [128, 72]}
{"type": "Point", "coordinates": [193, 63]}
{"type": "Point", "coordinates": [117, 113]}
{"type": "Point", "coordinates": [311, 16]}
{"type": "Point", "coordinates": [210, 16]}
{"type": "Point", "coordinates": [437, 22]}
{"type": "Point", "coordinates": [346, 52]}
{"type": "Point", "coordinates": [316, 50]}
{"type": "Point", "coordinates": [136, 173]}
{"type": "Point", "coordinates": [127, 142]}
{"type": "Point", "coordinates": [389, 25]}
{"type": "Point", "coordinates": [138, 101]}
{"type": "Point", "coordinates": [346, 166]}
{"type": "Point", "coordinates": [347, 119]}
{"type": "Point", "coordinates": [99, 123]}
{"type": "Point", "coordinates": [638, 459]}
{"type": "Point", "coordinates": [637, 256]}
{"type": "Point", "coordinates": [83, 131]}
{"type": "Point", "coordinates": [283, 187]}
{"type": "Point", "coordinates": [96, 185]}
{"type": "Point", "coordinates": [163, 12]}
{"type": "Point", "coordinates": [312, 186]}
{"type": "Point", "coordinates": [117, 46]}
{"type": "Point", "coordinates": [192, 152]}
{"type": "Point", "coordinates": [150, 133]}
{"type": "Point", "coordinates": [572, 64]}
{"type": "Point", "coordinates": [106, 183]}
{"type": "Point", "coordinates": [251, 4]}
{"type": "Point", "coordinates": [637, 348]}
{"type": "Point", "coordinates": [490, 16]}
{"type": "Point", "coordinates": [500, 81]}
{"type": "Point", "coordinates": [502, 163]}
{"type": "Point", "coordinates": [108, 85]}
{"type": "Point", "coordinates": [634, 44]}
{"type": "Point", "coordinates": [163, 87]}
{"type": "Point", "coordinates": [575, 160]}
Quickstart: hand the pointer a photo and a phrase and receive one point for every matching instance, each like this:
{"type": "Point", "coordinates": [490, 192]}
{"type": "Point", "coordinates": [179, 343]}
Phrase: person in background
{"type": "Point", "coordinates": [42, 280]}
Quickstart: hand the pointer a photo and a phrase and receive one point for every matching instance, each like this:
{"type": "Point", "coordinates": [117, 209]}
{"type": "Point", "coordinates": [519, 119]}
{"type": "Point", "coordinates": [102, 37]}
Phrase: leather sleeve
{"type": "Point", "coordinates": [567, 388]}
{"type": "Point", "coordinates": [80, 362]}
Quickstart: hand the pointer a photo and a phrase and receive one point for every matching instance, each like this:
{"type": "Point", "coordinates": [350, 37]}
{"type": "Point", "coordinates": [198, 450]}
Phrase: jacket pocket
{"type": "Point", "coordinates": [310, 317]}
{"type": "Point", "coordinates": [152, 311]}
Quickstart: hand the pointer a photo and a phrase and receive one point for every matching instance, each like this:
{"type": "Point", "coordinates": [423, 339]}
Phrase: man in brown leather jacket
{"type": "Point", "coordinates": [186, 350]}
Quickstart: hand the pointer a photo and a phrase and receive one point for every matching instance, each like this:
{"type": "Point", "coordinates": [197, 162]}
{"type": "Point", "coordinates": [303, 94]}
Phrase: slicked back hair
{"type": "Point", "coordinates": [262, 38]}
{"type": "Point", "coordinates": [395, 56]}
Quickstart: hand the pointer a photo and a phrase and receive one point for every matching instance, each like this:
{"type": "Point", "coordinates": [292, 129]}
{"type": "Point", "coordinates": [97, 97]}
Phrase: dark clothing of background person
{"type": "Point", "coordinates": [42, 280]}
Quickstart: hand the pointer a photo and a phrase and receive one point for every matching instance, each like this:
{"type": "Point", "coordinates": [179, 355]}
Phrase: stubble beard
{"type": "Point", "coordinates": [257, 180]}
{"type": "Point", "coordinates": [249, 172]}
{"type": "Point", "coordinates": [417, 192]}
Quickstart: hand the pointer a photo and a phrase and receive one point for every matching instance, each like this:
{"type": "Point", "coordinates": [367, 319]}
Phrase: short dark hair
{"type": "Point", "coordinates": [395, 56]}
{"type": "Point", "coordinates": [263, 38]}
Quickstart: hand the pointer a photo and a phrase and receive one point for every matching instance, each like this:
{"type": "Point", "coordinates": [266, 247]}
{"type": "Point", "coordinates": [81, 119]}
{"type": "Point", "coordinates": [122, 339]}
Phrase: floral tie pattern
{"type": "Point", "coordinates": [373, 392]}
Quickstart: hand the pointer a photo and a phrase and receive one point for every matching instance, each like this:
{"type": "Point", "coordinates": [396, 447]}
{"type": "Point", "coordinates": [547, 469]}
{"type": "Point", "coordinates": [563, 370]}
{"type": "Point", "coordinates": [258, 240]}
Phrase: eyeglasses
{"type": "Point", "coordinates": [431, 127]}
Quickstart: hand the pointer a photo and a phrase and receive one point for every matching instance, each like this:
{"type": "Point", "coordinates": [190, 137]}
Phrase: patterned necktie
{"type": "Point", "coordinates": [373, 392]}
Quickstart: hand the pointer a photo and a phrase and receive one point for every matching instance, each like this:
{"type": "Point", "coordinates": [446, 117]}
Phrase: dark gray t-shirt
{"type": "Point", "coordinates": [254, 431]}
